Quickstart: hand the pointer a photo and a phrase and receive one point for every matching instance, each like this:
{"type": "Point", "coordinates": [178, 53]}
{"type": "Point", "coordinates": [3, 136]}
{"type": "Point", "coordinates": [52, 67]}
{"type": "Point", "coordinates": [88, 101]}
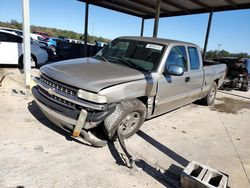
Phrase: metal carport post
{"type": "Point", "coordinates": [86, 29]}
{"type": "Point", "coordinates": [26, 43]}
{"type": "Point", "coordinates": [142, 27]}
{"type": "Point", "coordinates": [157, 15]}
{"type": "Point", "coordinates": [207, 34]}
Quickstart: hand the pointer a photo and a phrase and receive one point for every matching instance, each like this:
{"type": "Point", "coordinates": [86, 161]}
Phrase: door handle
{"type": "Point", "coordinates": [187, 79]}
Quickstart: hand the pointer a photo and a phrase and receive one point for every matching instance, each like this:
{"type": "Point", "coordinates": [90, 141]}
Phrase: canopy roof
{"type": "Point", "coordinates": [147, 8]}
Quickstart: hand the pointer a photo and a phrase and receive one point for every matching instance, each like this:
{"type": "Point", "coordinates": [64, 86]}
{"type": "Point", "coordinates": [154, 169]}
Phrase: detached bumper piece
{"type": "Point", "coordinates": [69, 124]}
{"type": "Point", "coordinates": [80, 122]}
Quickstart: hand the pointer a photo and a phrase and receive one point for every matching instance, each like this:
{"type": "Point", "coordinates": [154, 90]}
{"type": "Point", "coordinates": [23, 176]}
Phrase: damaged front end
{"type": "Point", "coordinates": [62, 106]}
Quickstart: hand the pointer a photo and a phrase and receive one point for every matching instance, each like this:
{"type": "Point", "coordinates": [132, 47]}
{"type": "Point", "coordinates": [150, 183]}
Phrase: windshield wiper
{"type": "Point", "coordinates": [132, 65]}
{"type": "Point", "coordinates": [103, 58]}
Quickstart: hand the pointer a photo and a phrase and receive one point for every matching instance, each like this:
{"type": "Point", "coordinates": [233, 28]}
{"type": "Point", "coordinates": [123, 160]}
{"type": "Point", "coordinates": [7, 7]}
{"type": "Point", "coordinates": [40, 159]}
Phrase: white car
{"type": "Point", "coordinates": [36, 36]}
{"type": "Point", "coordinates": [11, 50]}
{"type": "Point", "coordinates": [17, 31]}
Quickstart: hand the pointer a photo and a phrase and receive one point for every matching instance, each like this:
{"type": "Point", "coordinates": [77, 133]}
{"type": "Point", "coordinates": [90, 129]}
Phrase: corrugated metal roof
{"type": "Point", "coordinates": [146, 8]}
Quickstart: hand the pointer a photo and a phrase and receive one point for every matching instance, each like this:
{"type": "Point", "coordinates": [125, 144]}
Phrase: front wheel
{"type": "Point", "coordinates": [127, 117]}
{"type": "Point", "coordinates": [209, 99]}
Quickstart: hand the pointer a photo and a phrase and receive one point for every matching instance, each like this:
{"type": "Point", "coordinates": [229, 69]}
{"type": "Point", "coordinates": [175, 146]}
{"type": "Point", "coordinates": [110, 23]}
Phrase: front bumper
{"type": "Point", "coordinates": [76, 120]}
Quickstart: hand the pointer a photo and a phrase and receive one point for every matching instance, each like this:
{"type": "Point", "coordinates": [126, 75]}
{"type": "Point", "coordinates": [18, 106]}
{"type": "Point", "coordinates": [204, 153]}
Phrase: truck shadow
{"type": "Point", "coordinates": [170, 153]}
{"type": "Point", "coordinates": [37, 113]}
{"type": "Point", "coordinates": [169, 177]}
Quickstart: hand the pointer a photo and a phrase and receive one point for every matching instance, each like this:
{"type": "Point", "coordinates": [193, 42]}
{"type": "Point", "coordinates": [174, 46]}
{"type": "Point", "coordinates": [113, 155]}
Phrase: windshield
{"type": "Point", "coordinates": [136, 54]}
{"type": "Point", "coordinates": [46, 39]}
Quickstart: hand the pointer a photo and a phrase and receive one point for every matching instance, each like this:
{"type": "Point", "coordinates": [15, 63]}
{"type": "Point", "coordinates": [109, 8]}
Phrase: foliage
{"type": "Point", "coordinates": [213, 54]}
{"type": "Point", "coordinates": [54, 32]}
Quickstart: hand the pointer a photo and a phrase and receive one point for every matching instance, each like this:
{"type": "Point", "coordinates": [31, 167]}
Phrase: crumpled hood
{"type": "Point", "coordinates": [91, 74]}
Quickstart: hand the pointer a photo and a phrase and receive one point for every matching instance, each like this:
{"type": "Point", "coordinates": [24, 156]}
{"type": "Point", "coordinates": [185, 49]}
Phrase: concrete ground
{"type": "Point", "coordinates": [35, 153]}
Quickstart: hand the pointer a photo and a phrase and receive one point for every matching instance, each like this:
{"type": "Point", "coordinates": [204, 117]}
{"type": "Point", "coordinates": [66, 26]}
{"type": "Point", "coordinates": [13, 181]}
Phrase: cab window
{"type": "Point", "coordinates": [194, 58]}
{"type": "Point", "coordinates": [177, 56]}
{"type": "Point", "coordinates": [6, 37]}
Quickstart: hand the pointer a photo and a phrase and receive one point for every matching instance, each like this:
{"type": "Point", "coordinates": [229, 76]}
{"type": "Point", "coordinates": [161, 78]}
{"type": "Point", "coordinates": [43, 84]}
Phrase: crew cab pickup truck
{"type": "Point", "coordinates": [130, 80]}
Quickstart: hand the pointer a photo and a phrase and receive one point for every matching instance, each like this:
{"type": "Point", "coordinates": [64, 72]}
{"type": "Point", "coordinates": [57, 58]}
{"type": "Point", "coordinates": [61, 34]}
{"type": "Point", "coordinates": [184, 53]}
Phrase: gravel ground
{"type": "Point", "coordinates": [35, 153]}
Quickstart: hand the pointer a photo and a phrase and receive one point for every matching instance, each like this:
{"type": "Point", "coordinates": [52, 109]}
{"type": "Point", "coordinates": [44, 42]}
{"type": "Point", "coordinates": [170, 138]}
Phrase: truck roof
{"type": "Point", "coordinates": [154, 40]}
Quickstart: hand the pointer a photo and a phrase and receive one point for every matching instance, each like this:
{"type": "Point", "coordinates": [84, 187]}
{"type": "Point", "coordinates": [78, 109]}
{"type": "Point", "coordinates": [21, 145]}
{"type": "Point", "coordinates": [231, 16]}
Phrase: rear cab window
{"type": "Point", "coordinates": [194, 58]}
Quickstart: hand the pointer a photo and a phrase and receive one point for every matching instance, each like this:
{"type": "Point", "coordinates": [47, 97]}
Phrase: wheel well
{"type": "Point", "coordinates": [143, 99]}
{"type": "Point", "coordinates": [217, 81]}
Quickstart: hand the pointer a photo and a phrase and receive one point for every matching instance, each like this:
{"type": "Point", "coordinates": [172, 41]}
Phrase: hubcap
{"type": "Point", "coordinates": [129, 123]}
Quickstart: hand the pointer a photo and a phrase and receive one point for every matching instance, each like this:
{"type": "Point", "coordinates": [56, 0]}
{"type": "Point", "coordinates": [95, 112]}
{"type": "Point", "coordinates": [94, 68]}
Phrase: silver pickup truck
{"type": "Point", "coordinates": [130, 80]}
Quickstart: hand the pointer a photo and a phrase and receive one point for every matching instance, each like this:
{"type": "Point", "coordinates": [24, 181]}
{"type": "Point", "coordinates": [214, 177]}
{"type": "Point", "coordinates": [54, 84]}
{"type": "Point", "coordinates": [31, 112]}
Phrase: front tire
{"type": "Point", "coordinates": [127, 117]}
{"type": "Point", "coordinates": [209, 99]}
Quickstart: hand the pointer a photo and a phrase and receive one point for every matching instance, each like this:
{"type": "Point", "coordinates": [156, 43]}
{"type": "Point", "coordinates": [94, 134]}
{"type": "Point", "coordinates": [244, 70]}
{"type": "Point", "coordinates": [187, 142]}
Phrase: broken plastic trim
{"type": "Point", "coordinates": [87, 136]}
{"type": "Point", "coordinates": [3, 77]}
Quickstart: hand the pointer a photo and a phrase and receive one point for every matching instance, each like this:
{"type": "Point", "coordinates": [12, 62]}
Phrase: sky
{"type": "Point", "coordinates": [231, 29]}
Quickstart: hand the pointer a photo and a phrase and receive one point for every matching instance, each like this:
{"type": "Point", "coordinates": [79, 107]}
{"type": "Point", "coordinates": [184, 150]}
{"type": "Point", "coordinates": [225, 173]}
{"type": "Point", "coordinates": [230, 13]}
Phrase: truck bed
{"type": "Point", "coordinates": [214, 72]}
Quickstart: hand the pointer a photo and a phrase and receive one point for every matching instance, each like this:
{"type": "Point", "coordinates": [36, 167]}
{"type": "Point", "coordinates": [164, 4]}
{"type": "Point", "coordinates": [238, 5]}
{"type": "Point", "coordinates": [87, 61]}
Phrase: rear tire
{"type": "Point", "coordinates": [32, 60]}
{"type": "Point", "coordinates": [20, 62]}
{"type": "Point", "coordinates": [127, 117]}
{"type": "Point", "coordinates": [244, 87]}
{"type": "Point", "coordinates": [209, 99]}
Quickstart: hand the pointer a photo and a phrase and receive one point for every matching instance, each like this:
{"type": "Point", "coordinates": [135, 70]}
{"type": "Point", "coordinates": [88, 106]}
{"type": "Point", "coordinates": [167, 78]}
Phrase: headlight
{"type": "Point", "coordinates": [91, 96]}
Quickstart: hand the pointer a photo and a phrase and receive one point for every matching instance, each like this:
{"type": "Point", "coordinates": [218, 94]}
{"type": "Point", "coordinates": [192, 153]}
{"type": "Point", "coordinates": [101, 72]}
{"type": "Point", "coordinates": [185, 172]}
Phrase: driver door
{"type": "Point", "coordinates": [173, 90]}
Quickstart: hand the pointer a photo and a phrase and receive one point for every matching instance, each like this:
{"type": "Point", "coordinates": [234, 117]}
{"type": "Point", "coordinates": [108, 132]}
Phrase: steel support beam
{"type": "Point", "coordinates": [157, 15]}
{"type": "Point", "coordinates": [207, 34]}
{"type": "Point", "coordinates": [86, 29]}
{"type": "Point", "coordinates": [232, 3]}
{"type": "Point", "coordinates": [26, 43]}
{"type": "Point", "coordinates": [201, 4]}
{"type": "Point", "coordinates": [142, 26]}
{"type": "Point", "coordinates": [177, 5]}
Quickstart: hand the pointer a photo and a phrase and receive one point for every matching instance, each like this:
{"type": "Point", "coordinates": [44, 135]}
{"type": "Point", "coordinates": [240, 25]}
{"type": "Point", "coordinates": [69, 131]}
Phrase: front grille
{"type": "Point", "coordinates": [58, 86]}
{"type": "Point", "coordinates": [56, 99]}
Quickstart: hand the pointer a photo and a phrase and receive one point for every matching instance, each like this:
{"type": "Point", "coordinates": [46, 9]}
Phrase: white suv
{"type": "Point", "coordinates": [11, 50]}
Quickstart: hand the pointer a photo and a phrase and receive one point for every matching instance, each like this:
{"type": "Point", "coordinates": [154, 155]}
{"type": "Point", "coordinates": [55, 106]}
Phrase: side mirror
{"type": "Point", "coordinates": [175, 70]}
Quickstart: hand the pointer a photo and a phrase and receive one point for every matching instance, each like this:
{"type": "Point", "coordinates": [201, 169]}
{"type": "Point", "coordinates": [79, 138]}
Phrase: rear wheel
{"type": "Point", "coordinates": [244, 87]}
{"type": "Point", "coordinates": [209, 99]}
{"type": "Point", "coordinates": [128, 118]}
{"type": "Point", "coordinates": [33, 61]}
{"type": "Point", "coordinates": [20, 62]}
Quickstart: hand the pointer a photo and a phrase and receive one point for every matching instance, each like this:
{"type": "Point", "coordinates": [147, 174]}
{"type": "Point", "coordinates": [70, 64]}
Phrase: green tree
{"type": "Point", "coordinates": [53, 31]}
